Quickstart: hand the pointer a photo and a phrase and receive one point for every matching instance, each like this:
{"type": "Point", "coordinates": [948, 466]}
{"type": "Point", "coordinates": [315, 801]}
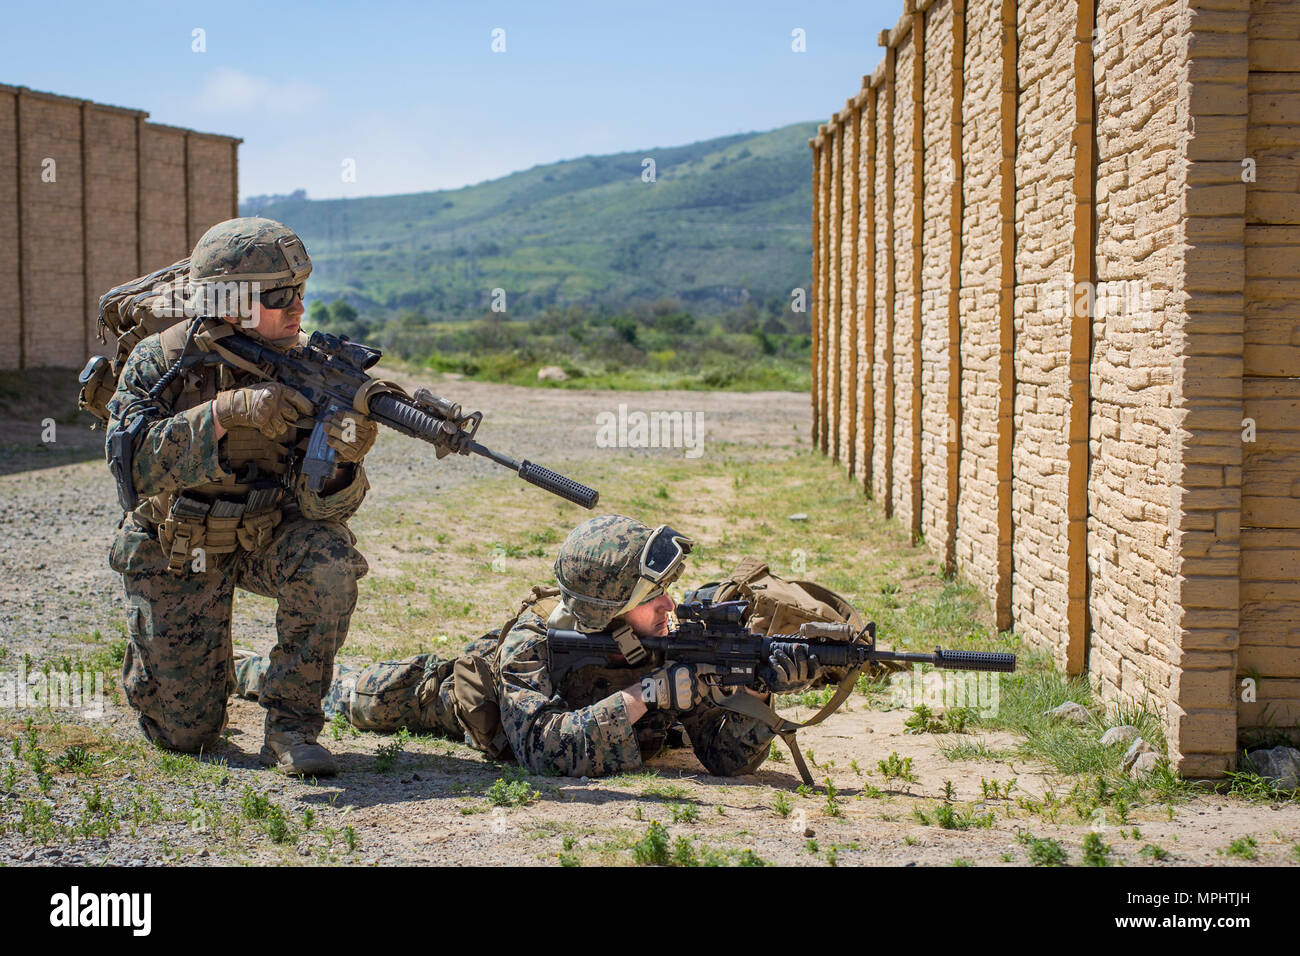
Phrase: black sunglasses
{"type": "Point", "coordinates": [282, 297]}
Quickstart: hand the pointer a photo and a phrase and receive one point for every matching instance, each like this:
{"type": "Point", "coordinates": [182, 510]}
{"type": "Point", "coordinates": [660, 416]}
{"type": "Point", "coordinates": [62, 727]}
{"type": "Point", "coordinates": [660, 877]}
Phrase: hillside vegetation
{"type": "Point", "coordinates": [725, 223]}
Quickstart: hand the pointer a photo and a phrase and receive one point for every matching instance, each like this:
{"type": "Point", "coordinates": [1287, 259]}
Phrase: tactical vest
{"type": "Point", "coordinates": [240, 511]}
{"type": "Point", "coordinates": [477, 675]}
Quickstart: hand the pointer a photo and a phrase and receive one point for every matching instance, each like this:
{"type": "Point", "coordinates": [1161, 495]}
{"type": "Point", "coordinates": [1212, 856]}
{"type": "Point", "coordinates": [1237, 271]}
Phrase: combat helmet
{"type": "Point", "coordinates": [250, 249]}
{"type": "Point", "coordinates": [610, 564]}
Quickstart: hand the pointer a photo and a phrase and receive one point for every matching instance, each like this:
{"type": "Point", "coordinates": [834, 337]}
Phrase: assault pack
{"type": "Point", "coordinates": [129, 313]}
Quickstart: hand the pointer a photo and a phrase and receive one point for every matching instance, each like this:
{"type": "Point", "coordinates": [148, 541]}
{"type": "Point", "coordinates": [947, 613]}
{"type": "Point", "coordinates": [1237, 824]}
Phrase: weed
{"type": "Point", "coordinates": [833, 856]}
{"type": "Point", "coordinates": [782, 804]}
{"type": "Point", "coordinates": [350, 838]}
{"type": "Point", "coordinates": [909, 840]}
{"type": "Point", "coordinates": [76, 759]}
{"type": "Point", "coordinates": [1043, 851]}
{"type": "Point", "coordinates": [919, 815]}
{"type": "Point", "coordinates": [1154, 851]}
{"type": "Point", "coordinates": [812, 846]}
{"type": "Point", "coordinates": [652, 849]}
{"type": "Point", "coordinates": [895, 768]}
{"type": "Point", "coordinates": [776, 753]}
{"type": "Point", "coordinates": [277, 827]}
{"type": "Point", "coordinates": [684, 853]}
{"type": "Point", "coordinates": [962, 861]}
{"type": "Point", "coordinates": [254, 805]}
{"type": "Point", "coordinates": [340, 726]}
{"type": "Point", "coordinates": [308, 818]}
{"type": "Point", "coordinates": [948, 791]}
{"type": "Point", "coordinates": [750, 858]}
{"type": "Point", "coordinates": [386, 754]}
{"type": "Point", "coordinates": [1244, 848]}
{"type": "Point", "coordinates": [516, 792]}
{"type": "Point", "coordinates": [685, 813]}
{"type": "Point", "coordinates": [833, 807]}
{"type": "Point", "coordinates": [1096, 852]}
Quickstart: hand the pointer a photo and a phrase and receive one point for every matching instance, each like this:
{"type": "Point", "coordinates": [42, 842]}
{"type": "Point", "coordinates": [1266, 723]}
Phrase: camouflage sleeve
{"type": "Point", "coordinates": [545, 735]}
{"type": "Point", "coordinates": [339, 506]}
{"type": "Point", "coordinates": [176, 451]}
{"type": "Point", "coordinates": [728, 744]}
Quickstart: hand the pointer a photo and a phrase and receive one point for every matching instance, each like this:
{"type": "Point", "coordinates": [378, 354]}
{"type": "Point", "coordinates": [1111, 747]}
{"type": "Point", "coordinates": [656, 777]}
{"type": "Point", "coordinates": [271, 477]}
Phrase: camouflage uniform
{"type": "Point", "coordinates": [178, 669]}
{"type": "Point", "coordinates": [573, 724]}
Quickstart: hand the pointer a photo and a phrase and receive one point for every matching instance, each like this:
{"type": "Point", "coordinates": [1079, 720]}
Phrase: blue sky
{"type": "Point", "coordinates": [414, 94]}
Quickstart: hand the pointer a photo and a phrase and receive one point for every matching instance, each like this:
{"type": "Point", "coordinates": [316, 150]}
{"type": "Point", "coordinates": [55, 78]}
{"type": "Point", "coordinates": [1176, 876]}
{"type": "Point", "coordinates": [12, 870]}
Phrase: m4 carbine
{"type": "Point", "coordinates": [331, 372]}
{"type": "Point", "coordinates": [714, 638]}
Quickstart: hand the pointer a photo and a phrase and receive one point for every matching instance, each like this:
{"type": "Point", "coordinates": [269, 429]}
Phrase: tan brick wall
{"type": "Point", "coordinates": [211, 183]}
{"type": "Point", "coordinates": [935, 271]}
{"type": "Point", "coordinates": [1138, 317]}
{"type": "Point", "coordinates": [9, 282]}
{"type": "Point", "coordinates": [111, 213]}
{"type": "Point", "coordinates": [1270, 477]}
{"type": "Point", "coordinates": [77, 232]}
{"type": "Point", "coordinates": [1043, 262]}
{"type": "Point", "coordinates": [981, 278]}
{"type": "Point", "coordinates": [1147, 152]}
{"type": "Point", "coordinates": [904, 198]}
{"type": "Point", "coordinates": [54, 331]}
{"type": "Point", "coordinates": [882, 358]}
{"type": "Point", "coordinates": [164, 237]}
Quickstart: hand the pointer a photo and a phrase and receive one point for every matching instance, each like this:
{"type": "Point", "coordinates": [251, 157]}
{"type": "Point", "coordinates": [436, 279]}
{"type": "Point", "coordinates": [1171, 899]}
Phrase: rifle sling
{"type": "Point", "coordinates": [207, 341]}
{"type": "Point", "coordinates": [750, 706]}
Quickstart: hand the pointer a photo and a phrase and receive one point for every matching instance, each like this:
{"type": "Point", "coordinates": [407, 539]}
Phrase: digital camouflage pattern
{"type": "Point", "coordinates": [574, 724]}
{"type": "Point", "coordinates": [597, 567]}
{"type": "Point", "coordinates": [177, 673]}
{"type": "Point", "coordinates": [250, 248]}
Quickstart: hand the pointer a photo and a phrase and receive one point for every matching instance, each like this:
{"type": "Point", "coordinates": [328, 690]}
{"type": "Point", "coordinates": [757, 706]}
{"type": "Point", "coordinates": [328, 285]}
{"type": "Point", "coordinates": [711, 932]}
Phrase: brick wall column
{"type": "Point", "coordinates": [1209, 397]}
{"type": "Point", "coordinates": [1007, 318]}
{"type": "Point", "coordinates": [891, 257]}
{"type": "Point", "coordinates": [918, 257]}
{"type": "Point", "coordinates": [1084, 276]}
{"type": "Point", "coordinates": [954, 422]}
{"type": "Point", "coordinates": [869, 314]}
{"type": "Point", "coordinates": [813, 293]}
{"type": "Point", "coordinates": [854, 114]}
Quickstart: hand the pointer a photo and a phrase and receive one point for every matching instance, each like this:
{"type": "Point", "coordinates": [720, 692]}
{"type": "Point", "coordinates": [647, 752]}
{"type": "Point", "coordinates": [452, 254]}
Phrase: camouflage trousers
{"type": "Point", "coordinates": [417, 693]}
{"type": "Point", "coordinates": [178, 671]}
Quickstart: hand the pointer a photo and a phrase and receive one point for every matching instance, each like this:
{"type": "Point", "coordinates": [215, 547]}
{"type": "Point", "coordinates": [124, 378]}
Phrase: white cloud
{"type": "Point", "coordinates": [227, 90]}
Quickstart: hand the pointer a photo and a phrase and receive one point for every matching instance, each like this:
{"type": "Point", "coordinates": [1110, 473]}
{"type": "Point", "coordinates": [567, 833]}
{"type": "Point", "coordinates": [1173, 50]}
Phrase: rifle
{"type": "Point", "coordinates": [331, 372]}
{"type": "Point", "coordinates": [714, 638]}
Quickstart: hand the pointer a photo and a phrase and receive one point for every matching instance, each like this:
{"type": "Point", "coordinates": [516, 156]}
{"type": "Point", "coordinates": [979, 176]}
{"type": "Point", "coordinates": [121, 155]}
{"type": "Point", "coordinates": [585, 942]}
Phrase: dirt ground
{"type": "Point", "coordinates": [425, 800]}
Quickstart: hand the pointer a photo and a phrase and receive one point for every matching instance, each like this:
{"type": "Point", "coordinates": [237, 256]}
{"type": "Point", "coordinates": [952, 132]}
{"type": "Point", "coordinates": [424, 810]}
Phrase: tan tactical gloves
{"type": "Point", "coordinates": [351, 435]}
{"type": "Point", "coordinates": [675, 686]}
{"type": "Point", "coordinates": [269, 407]}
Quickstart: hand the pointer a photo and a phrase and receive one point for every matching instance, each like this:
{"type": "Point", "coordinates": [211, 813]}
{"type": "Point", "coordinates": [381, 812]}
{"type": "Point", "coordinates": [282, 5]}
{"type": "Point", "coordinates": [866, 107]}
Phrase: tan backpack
{"type": "Point", "coordinates": [778, 606]}
{"type": "Point", "coordinates": [478, 706]}
{"type": "Point", "coordinates": [130, 312]}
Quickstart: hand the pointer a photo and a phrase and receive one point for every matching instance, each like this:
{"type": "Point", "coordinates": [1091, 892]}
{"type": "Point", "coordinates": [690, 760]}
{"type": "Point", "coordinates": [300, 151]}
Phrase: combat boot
{"type": "Point", "coordinates": [296, 755]}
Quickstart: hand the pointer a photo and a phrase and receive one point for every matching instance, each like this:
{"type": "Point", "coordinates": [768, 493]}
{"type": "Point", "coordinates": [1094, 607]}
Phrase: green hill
{"type": "Point", "coordinates": [726, 221]}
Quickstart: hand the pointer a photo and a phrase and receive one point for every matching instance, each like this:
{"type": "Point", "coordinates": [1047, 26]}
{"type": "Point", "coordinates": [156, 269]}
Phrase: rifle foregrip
{"type": "Point", "coordinates": [975, 660]}
{"type": "Point", "coordinates": [557, 484]}
{"type": "Point", "coordinates": [404, 417]}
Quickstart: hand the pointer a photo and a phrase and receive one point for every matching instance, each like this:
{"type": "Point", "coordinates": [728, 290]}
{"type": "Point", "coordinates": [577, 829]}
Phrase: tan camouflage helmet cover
{"type": "Point", "coordinates": [598, 567]}
{"type": "Point", "coordinates": [250, 249]}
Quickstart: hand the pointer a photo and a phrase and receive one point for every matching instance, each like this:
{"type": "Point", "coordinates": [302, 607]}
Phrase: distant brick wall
{"type": "Point", "coordinates": [1056, 328]}
{"type": "Point", "coordinates": [90, 196]}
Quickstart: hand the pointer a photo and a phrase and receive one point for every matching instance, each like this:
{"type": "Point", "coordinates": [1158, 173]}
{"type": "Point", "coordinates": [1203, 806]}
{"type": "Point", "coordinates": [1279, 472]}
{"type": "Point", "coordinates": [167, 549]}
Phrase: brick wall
{"type": "Point", "coordinates": [976, 539]}
{"type": "Point", "coordinates": [1101, 296]}
{"type": "Point", "coordinates": [1270, 487]}
{"type": "Point", "coordinates": [92, 195]}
